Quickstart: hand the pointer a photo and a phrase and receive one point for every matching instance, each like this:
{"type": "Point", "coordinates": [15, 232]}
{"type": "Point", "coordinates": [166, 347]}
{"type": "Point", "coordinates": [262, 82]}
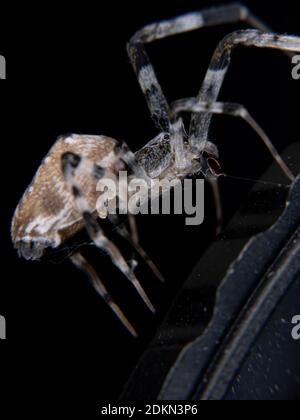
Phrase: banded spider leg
{"type": "Point", "coordinates": [71, 163]}
{"type": "Point", "coordinates": [157, 102]}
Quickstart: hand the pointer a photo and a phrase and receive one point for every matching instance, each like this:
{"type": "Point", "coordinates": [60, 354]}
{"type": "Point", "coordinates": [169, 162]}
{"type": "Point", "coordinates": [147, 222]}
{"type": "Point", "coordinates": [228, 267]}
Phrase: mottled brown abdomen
{"type": "Point", "coordinates": [46, 215]}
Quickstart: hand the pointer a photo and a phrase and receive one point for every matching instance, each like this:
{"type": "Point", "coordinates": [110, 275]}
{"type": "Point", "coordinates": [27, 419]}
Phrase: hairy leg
{"type": "Point", "coordinates": [81, 263]}
{"type": "Point", "coordinates": [70, 163]}
{"type": "Point", "coordinates": [209, 93]}
{"type": "Point", "coordinates": [134, 242]}
{"type": "Point", "coordinates": [143, 68]}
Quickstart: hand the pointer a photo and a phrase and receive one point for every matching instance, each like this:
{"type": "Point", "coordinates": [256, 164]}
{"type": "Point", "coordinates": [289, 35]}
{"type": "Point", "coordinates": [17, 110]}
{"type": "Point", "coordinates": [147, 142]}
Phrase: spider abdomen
{"type": "Point", "coordinates": [46, 215]}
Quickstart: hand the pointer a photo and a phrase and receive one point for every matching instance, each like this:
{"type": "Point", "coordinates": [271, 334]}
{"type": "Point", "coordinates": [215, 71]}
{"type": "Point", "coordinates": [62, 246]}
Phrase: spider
{"type": "Point", "coordinates": [61, 200]}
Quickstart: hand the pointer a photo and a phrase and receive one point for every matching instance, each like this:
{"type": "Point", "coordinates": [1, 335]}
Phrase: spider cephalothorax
{"type": "Point", "coordinates": [61, 199]}
{"type": "Point", "coordinates": [171, 155]}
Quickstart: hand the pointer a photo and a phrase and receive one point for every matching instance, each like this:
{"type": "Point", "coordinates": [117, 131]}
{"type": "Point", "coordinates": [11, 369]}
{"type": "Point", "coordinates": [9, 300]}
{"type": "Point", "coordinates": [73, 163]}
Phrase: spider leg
{"type": "Point", "coordinates": [236, 110]}
{"type": "Point", "coordinates": [81, 263]}
{"type": "Point", "coordinates": [134, 242]}
{"type": "Point", "coordinates": [133, 229]}
{"type": "Point", "coordinates": [70, 163]}
{"type": "Point", "coordinates": [124, 153]}
{"type": "Point", "coordinates": [182, 159]}
{"type": "Point", "coordinates": [133, 234]}
{"type": "Point", "coordinates": [129, 158]}
{"type": "Point", "coordinates": [200, 123]}
{"type": "Point", "coordinates": [144, 70]}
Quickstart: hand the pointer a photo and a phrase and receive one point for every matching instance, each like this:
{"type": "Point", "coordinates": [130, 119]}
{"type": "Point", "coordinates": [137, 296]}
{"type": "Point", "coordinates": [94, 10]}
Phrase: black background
{"type": "Point", "coordinates": [67, 71]}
